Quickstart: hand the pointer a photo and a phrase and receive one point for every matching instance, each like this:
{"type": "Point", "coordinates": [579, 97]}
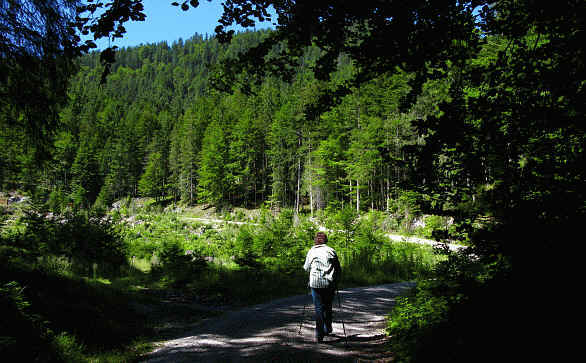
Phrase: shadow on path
{"type": "Point", "coordinates": [283, 331]}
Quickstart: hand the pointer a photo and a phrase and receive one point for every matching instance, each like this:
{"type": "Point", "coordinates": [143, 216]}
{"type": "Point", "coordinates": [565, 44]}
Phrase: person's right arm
{"type": "Point", "coordinates": [308, 259]}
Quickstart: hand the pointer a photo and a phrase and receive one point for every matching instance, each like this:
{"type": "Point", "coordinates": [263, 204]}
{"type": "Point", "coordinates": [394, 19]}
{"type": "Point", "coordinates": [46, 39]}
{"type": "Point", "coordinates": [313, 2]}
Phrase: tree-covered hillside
{"type": "Point", "coordinates": [156, 128]}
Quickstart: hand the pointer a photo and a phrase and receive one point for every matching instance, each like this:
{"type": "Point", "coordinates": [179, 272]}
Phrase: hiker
{"type": "Point", "coordinates": [324, 273]}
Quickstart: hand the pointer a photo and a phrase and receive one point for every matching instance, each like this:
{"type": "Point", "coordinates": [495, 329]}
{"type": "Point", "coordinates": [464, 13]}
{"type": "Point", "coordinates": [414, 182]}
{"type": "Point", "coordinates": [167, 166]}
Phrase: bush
{"type": "Point", "coordinates": [345, 219]}
{"type": "Point", "coordinates": [460, 316]}
{"type": "Point", "coordinates": [180, 267]}
{"type": "Point", "coordinates": [50, 317]}
{"type": "Point", "coordinates": [68, 348]}
{"type": "Point", "coordinates": [26, 335]}
{"type": "Point", "coordinates": [22, 333]}
{"type": "Point", "coordinates": [412, 323]}
{"type": "Point", "coordinates": [434, 226]}
{"type": "Point", "coordinates": [244, 252]}
{"type": "Point", "coordinates": [405, 208]}
{"type": "Point", "coordinates": [89, 244]}
{"type": "Point", "coordinates": [57, 201]}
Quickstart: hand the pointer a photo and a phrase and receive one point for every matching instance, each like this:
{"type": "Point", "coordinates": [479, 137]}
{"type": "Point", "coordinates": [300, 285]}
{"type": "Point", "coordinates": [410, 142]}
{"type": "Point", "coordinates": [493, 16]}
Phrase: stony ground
{"type": "Point", "coordinates": [283, 331]}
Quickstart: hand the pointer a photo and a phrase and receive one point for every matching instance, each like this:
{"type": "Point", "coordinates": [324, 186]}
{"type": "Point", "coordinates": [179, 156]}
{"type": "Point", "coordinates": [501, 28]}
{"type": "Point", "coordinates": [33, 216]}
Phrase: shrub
{"type": "Point", "coordinates": [19, 325]}
{"type": "Point", "coordinates": [434, 226]}
{"type": "Point", "coordinates": [345, 219]}
{"type": "Point", "coordinates": [25, 334]}
{"type": "Point", "coordinates": [454, 317]}
{"type": "Point", "coordinates": [68, 348]}
{"type": "Point", "coordinates": [179, 266]}
{"type": "Point", "coordinates": [57, 200]}
{"type": "Point", "coordinates": [406, 207]}
{"type": "Point", "coordinates": [412, 323]}
{"type": "Point", "coordinates": [244, 252]}
{"type": "Point", "coordinates": [82, 239]}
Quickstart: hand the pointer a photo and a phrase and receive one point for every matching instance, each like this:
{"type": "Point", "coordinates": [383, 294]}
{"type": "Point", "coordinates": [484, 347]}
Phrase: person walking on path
{"type": "Point", "coordinates": [324, 273]}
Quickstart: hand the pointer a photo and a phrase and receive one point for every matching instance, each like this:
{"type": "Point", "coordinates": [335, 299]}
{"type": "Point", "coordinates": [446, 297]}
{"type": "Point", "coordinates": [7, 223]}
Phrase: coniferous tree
{"type": "Point", "coordinates": [152, 182]}
{"type": "Point", "coordinates": [86, 178]}
{"type": "Point", "coordinates": [212, 184]}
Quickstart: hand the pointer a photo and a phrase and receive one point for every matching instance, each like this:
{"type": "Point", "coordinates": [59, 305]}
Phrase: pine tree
{"type": "Point", "coordinates": [212, 184]}
{"type": "Point", "coordinates": [152, 182]}
{"type": "Point", "coordinates": [86, 178]}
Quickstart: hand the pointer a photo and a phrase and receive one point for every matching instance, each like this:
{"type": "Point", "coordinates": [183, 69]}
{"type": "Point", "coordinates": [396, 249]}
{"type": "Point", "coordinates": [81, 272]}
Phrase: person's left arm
{"type": "Point", "coordinates": [337, 269]}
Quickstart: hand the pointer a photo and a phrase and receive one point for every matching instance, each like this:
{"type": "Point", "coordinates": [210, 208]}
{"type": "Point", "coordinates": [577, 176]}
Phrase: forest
{"type": "Point", "coordinates": [454, 121]}
{"type": "Point", "coordinates": [155, 129]}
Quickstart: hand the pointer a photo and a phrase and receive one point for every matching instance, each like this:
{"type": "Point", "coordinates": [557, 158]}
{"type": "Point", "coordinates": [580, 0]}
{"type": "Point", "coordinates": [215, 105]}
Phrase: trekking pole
{"type": "Point", "coordinates": [302, 318]}
{"type": "Point", "coordinates": [343, 325]}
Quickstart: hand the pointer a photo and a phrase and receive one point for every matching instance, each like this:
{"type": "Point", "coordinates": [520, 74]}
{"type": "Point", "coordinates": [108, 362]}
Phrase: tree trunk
{"type": "Point", "coordinates": [357, 196]}
{"type": "Point", "coordinates": [350, 199]}
{"type": "Point", "coordinates": [298, 180]}
{"type": "Point", "coordinates": [310, 181]}
{"type": "Point", "coordinates": [388, 195]}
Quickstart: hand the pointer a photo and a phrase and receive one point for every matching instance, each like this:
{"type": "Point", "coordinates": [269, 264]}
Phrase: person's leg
{"type": "Point", "coordinates": [327, 303]}
{"type": "Point", "coordinates": [317, 296]}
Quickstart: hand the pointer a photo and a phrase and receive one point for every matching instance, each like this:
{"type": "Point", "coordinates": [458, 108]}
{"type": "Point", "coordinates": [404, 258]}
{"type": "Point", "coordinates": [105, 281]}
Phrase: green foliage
{"type": "Point", "coordinates": [22, 325]}
{"type": "Point", "coordinates": [81, 239]}
{"type": "Point", "coordinates": [152, 182]}
{"type": "Point", "coordinates": [366, 255]}
{"type": "Point", "coordinates": [405, 208]}
{"type": "Point", "coordinates": [61, 318]}
{"type": "Point", "coordinates": [212, 187]}
{"type": "Point", "coordinates": [414, 319]}
{"type": "Point", "coordinates": [370, 258]}
{"type": "Point", "coordinates": [451, 320]}
{"type": "Point", "coordinates": [172, 246]}
{"type": "Point", "coordinates": [156, 129]}
{"type": "Point", "coordinates": [57, 201]}
{"type": "Point", "coordinates": [486, 127]}
{"type": "Point", "coordinates": [145, 233]}
{"type": "Point", "coordinates": [435, 227]}
{"type": "Point", "coordinates": [244, 251]}
{"type": "Point", "coordinates": [70, 350]}
{"type": "Point", "coordinates": [35, 67]}
{"type": "Point", "coordinates": [345, 218]}
{"type": "Point", "coordinates": [25, 334]}
{"type": "Point", "coordinates": [85, 175]}
{"type": "Point", "coordinates": [179, 266]}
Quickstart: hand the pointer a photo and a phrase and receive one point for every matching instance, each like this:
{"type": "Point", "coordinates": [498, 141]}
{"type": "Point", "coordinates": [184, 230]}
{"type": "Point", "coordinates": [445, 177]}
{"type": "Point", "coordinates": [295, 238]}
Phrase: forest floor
{"type": "Point", "coordinates": [283, 331]}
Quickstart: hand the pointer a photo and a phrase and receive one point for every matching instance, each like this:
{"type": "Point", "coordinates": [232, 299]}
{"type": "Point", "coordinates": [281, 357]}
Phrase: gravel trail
{"type": "Point", "coordinates": [283, 331]}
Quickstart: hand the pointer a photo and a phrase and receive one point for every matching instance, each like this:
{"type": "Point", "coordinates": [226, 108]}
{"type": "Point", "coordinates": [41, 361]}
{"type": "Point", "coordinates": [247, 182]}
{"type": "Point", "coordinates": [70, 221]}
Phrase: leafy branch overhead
{"type": "Point", "coordinates": [377, 36]}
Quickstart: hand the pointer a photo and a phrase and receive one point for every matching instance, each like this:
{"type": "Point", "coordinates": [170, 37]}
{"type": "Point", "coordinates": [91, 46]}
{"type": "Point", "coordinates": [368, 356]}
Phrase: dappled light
{"type": "Point", "coordinates": [286, 327]}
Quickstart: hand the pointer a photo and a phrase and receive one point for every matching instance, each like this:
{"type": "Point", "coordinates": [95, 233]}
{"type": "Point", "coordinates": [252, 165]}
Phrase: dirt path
{"type": "Point", "coordinates": [423, 241]}
{"type": "Point", "coordinates": [283, 331]}
{"type": "Point", "coordinates": [215, 221]}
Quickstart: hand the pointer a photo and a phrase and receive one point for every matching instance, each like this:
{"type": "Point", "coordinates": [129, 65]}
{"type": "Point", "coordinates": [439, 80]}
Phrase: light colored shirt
{"type": "Point", "coordinates": [323, 266]}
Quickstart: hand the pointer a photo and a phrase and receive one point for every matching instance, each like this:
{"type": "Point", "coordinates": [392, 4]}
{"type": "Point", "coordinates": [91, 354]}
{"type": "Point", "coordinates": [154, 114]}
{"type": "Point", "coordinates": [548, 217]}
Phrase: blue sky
{"type": "Point", "coordinates": [167, 22]}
